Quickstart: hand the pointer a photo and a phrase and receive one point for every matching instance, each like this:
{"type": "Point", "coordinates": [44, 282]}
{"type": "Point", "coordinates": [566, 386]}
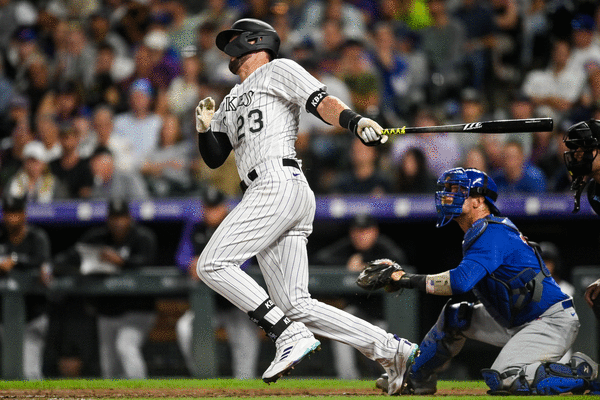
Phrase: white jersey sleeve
{"type": "Point", "coordinates": [294, 83]}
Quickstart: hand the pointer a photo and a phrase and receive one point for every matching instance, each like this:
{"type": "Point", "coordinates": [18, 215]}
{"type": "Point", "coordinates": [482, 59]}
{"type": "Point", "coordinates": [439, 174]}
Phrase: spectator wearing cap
{"type": "Point", "coordinates": [362, 243]}
{"type": "Point", "coordinates": [27, 52]}
{"type": "Point", "coordinates": [26, 248]}
{"type": "Point", "coordinates": [140, 126]}
{"type": "Point", "coordinates": [585, 53]}
{"type": "Point", "coordinates": [123, 321]}
{"type": "Point", "coordinates": [242, 334]}
{"type": "Point", "coordinates": [71, 169]}
{"type": "Point", "coordinates": [164, 63]}
{"type": "Point", "coordinates": [34, 181]}
{"type": "Point", "coordinates": [559, 85]}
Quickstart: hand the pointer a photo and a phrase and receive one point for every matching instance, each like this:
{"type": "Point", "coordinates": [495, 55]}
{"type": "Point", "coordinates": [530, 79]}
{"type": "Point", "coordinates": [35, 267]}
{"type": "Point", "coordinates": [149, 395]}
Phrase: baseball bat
{"type": "Point", "coordinates": [498, 126]}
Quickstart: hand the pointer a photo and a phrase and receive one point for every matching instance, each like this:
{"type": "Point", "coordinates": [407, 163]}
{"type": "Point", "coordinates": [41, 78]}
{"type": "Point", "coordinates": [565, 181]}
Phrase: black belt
{"type": "Point", "coordinates": [252, 175]}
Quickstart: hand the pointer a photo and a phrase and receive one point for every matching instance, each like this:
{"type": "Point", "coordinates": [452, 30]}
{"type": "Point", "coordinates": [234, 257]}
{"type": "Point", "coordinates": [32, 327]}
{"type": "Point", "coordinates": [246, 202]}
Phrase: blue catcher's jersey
{"type": "Point", "coordinates": [504, 272]}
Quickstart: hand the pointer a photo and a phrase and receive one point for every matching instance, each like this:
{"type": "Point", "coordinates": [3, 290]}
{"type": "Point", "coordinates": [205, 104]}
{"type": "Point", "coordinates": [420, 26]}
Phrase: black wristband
{"type": "Point", "coordinates": [349, 120]}
{"type": "Point", "coordinates": [411, 281]}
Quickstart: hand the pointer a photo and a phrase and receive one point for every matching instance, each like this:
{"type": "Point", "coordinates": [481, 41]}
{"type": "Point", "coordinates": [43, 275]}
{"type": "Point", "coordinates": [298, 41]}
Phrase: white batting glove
{"type": "Point", "coordinates": [204, 114]}
{"type": "Point", "coordinates": [369, 132]}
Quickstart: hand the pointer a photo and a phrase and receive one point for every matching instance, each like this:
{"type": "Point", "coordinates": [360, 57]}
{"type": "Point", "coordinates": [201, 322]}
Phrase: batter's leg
{"type": "Point", "coordinates": [285, 267]}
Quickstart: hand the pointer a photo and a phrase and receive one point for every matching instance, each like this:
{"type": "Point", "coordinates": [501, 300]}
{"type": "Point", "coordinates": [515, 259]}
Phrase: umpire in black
{"type": "Point", "coordinates": [25, 249]}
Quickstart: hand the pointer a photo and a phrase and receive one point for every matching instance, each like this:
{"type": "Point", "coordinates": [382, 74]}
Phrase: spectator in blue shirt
{"type": "Point", "coordinates": [516, 173]}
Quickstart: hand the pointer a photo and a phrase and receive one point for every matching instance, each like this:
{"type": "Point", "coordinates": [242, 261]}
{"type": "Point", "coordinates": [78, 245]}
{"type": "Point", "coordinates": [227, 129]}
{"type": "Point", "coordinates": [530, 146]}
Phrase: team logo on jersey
{"type": "Point", "coordinates": [232, 103]}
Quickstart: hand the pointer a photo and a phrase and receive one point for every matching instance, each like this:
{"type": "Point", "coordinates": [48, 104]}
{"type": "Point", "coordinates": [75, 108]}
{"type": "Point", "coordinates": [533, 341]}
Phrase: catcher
{"type": "Point", "coordinates": [520, 307]}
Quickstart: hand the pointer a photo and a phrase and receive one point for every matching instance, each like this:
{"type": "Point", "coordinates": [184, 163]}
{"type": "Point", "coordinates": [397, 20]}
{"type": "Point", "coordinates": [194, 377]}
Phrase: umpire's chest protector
{"type": "Point", "coordinates": [515, 277]}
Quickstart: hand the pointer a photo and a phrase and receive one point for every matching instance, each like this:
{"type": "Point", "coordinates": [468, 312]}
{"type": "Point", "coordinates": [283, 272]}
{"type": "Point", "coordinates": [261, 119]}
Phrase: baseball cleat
{"type": "Point", "coordinates": [397, 371]}
{"type": "Point", "coordinates": [288, 356]}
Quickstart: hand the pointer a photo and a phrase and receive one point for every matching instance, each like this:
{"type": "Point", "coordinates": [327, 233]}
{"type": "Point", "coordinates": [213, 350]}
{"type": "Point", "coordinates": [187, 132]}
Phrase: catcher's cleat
{"type": "Point", "coordinates": [287, 356]}
{"type": "Point", "coordinates": [397, 370]}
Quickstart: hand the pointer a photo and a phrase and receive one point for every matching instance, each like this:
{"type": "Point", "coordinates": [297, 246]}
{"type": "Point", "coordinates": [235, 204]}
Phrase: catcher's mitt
{"type": "Point", "coordinates": [378, 274]}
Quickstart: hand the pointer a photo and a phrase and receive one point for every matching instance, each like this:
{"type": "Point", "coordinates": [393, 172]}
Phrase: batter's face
{"type": "Point", "coordinates": [236, 62]}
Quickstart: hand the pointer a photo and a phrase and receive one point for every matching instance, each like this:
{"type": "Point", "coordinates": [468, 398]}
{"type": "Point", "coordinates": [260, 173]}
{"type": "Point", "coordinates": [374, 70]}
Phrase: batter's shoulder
{"type": "Point", "coordinates": [286, 63]}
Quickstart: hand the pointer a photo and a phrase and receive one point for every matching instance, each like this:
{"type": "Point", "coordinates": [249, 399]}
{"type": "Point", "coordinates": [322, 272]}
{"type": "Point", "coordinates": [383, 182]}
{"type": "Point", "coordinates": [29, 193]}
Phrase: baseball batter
{"type": "Point", "coordinates": [258, 120]}
{"type": "Point", "coordinates": [520, 307]}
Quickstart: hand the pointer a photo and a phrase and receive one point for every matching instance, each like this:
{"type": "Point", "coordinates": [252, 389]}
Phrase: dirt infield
{"type": "Point", "coordinates": [206, 392]}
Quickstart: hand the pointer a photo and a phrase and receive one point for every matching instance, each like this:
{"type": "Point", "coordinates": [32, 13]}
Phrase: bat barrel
{"type": "Point", "coordinates": [499, 126]}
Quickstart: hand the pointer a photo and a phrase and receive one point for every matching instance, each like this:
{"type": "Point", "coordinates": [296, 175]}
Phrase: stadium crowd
{"type": "Point", "coordinates": [97, 97]}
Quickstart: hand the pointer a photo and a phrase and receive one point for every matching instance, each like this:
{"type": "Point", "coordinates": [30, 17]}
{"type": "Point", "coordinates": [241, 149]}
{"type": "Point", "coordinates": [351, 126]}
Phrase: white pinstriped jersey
{"type": "Point", "coordinates": [261, 114]}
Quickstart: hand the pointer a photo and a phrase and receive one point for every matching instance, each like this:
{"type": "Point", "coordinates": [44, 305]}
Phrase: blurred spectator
{"type": "Point", "coordinates": [219, 13]}
{"type": "Point", "coordinates": [558, 86]}
{"type": "Point", "coordinates": [186, 90]}
{"type": "Point", "coordinates": [131, 21]}
{"type": "Point", "coordinates": [478, 19]}
{"type": "Point", "coordinates": [24, 52]}
{"type": "Point", "coordinates": [119, 147]}
{"type": "Point", "coordinates": [76, 63]}
{"type": "Point", "coordinates": [364, 242]}
{"type": "Point", "coordinates": [47, 131]}
{"type": "Point", "coordinates": [110, 70]}
{"type": "Point", "coordinates": [413, 174]}
{"type": "Point", "coordinates": [551, 160]}
{"type": "Point", "coordinates": [476, 158]}
{"type": "Point", "coordinates": [19, 114]}
{"type": "Point", "coordinates": [140, 126]}
{"type": "Point", "coordinates": [167, 168]}
{"type": "Point", "coordinates": [585, 52]}
{"type": "Point", "coordinates": [110, 182]}
{"type": "Point", "coordinates": [25, 248]}
{"type": "Point", "coordinates": [441, 150]}
{"type": "Point", "coordinates": [413, 13]}
{"type": "Point", "coordinates": [473, 108]}
{"type": "Point", "coordinates": [11, 152]}
{"type": "Point", "coordinates": [34, 181]}
{"type": "Point", "coordinates": [507, 42]}
{"type": "Point", "coordinates": [358, 73]}
{"type": "Point", "coordinates": [329, 48]}
{"type": "Point", "coordinates": [163, 63]}
{"type": "Point", "coordinates": [13, 15]}
{"type": "Point", "coordinates": [64, 100]}
{"type": "Point", "coordinates": [516, 173]}
{"type": "Point", "coordinates": [6, 92]}
{"type": "Point", "coordinates": [520, 106]}
{"type": "Point", "coordinates": [88, 140]}
{"type": "Point", "coordinates": [535, 29]}
{"type": "Point", "coordinates": [316, 12]}
{"type": "Point", "coordinates": [214, 62]}
{"type": "Point", "coordinates": [242, 334]}
{"type": "Point", "coordinates": [365, 175]}
{"type": "Point", "coordinates": [401, 80]}
{"type": "Point", "coordinates": [72, 170]}
{"type": "Point", "coordinates": [101, 34]}
{"type": "Point", "coordinates": [443, 44]}
{"type": "Point", "coordinates": [551, 256]}
{"type": "Point", "coordinates": [123, 321]}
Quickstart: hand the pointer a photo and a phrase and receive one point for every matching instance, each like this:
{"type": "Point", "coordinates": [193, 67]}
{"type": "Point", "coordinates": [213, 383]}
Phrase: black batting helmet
{"type": "Point", "coordinates": [581, 139]}
{"type": "Point", "coordinates": [247, 30]}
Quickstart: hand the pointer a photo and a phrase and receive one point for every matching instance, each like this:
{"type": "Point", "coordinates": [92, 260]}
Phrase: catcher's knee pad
{"type": "Point", "coordinates": [554, 378]}
{"type": "Point", "coordinates": [458, 316]}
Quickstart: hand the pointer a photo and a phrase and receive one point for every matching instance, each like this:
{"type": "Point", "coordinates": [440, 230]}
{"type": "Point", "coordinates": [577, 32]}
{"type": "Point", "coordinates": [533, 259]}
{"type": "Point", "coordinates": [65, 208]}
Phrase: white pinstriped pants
{"type": "Point", "coordinates": [272, 222]}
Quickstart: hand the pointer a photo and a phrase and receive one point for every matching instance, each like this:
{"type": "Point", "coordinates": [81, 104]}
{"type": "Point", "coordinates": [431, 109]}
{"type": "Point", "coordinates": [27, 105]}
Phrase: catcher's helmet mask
{"type": "Point", "coordinates": [457, 184]}
{"type": "Point", "coordinates": [583, 142]}
{"type": "Point", "coordinates": [248, 35]}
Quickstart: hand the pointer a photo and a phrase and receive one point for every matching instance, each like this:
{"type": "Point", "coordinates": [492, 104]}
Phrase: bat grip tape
{"type": "Point", "coordinates": [273, 331]}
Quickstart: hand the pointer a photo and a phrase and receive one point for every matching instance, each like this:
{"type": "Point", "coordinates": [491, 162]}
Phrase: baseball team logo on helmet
{"type": "Point", "coordinates": [581, 139]}
{"type": "Point", "coordinates": [456, 185]}
{"type": "Point", "coordinates": [245, 31]}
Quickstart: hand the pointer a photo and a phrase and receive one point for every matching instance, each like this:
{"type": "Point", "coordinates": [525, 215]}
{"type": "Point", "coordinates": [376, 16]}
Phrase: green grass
{"type": "Point", "coordinates": [225, 385]}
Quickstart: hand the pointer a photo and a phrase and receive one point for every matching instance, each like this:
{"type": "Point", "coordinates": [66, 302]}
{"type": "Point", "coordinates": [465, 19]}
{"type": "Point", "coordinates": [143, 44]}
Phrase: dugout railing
{"type": "Point", "coordinates": [401, 312]}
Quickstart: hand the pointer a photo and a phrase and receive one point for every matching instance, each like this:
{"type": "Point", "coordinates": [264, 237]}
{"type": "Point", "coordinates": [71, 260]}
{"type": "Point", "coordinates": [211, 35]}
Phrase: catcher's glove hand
{"type": "Point", "coordinates": [378, 274]}
{"type": "Point", "coordinates": [204, 114]}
